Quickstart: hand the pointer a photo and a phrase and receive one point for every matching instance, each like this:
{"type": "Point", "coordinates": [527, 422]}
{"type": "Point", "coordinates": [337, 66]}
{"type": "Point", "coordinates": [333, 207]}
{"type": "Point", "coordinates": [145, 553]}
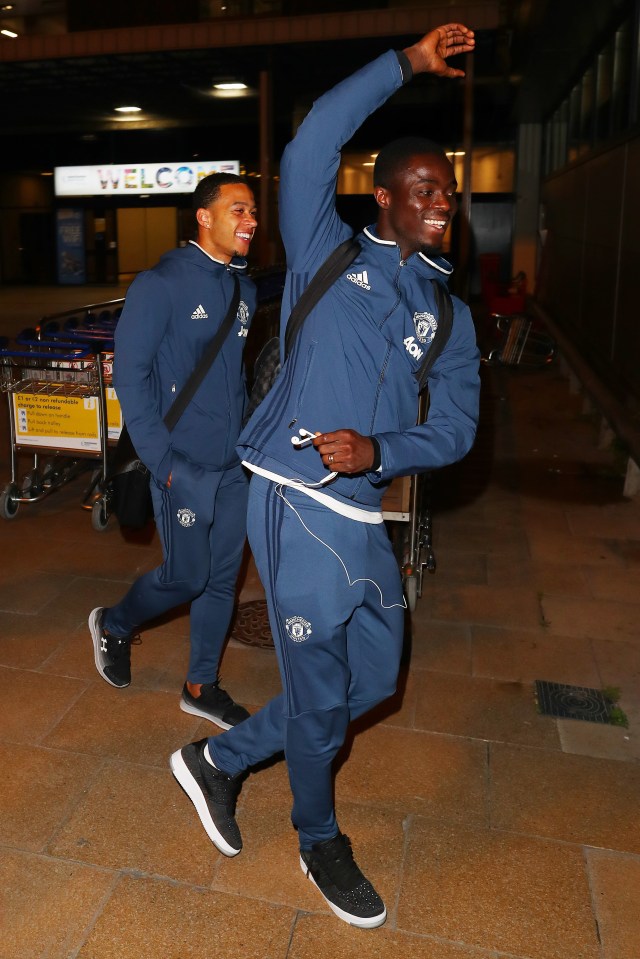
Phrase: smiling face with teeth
{"type": "Point", "coordinates": [418, 205]}
{"type": "Point", "coordinates": [227, 225]}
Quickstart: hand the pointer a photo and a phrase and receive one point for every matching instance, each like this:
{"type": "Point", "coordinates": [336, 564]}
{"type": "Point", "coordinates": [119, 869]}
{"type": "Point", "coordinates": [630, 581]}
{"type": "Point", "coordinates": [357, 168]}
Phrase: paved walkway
{"type": "Point", "coordinates": [490, 830]}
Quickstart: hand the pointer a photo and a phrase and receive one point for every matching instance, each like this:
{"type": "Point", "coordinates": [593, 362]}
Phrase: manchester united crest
{"type": "Point", "coordinates": [186, 517]}
{"type": "Point", "coordinates": [426, 326]}
{"type": "Point", "coordinates": [298, 629]}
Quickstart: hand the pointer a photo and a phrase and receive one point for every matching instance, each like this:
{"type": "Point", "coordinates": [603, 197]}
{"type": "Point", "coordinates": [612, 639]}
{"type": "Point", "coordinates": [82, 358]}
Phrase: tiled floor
{"type": "Point", "coordinates": [490, 830]}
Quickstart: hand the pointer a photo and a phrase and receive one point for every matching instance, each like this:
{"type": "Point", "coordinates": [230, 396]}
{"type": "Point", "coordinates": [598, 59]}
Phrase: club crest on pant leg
{"type": "Point", "coordinates": [298, 629]}
{"type": "Point", "coordinates": [186, 517]}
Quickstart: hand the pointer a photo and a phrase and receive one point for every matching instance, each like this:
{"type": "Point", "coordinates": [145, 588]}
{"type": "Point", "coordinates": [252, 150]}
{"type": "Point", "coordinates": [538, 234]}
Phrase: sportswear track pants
{"type": "Point", "coordinates": [201, 521]}
{"type": "Point", "coordinates": [338, 638]}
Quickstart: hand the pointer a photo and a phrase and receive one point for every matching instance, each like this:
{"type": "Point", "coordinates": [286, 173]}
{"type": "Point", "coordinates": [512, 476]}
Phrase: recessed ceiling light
{"type": "Point", "coordinates": [9, 33]}
{"type": "Point", "coordinates": [128, 109]}
{"type": "Point", "coordinates": [230, 85]}
{"type": "Point", "coordinates": [6, 7]}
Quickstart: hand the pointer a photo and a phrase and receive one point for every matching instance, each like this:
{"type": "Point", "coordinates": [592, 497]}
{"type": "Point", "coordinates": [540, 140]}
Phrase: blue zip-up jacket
{"type": "Point", "coordinates": [171, 314]}
{"type": "Point", "coordinates": [353, 363]}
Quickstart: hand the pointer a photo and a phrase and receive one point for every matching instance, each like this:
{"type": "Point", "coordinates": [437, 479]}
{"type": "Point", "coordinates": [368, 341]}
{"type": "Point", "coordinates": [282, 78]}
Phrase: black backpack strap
{"type": "Point", "coordinates": [444, 307]}
{"type": "Point", "coordinates": [187, 392]}
{"type": "Point", "coordinates": [331, 269]}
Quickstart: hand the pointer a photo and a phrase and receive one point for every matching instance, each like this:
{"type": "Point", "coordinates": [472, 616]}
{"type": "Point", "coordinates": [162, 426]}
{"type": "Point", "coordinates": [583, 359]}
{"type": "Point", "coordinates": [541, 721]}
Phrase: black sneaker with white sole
{"type": "Point", "coordinates": [112, 653]}
{"type": "Point", "coordinates": [331, 866]}
{"type": "Point", "coordinates": [214, 704]}
{"type": "Point", "coordinates": [212, 792]}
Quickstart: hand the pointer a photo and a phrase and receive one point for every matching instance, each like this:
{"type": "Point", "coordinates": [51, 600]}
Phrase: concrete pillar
{"type": "Point", "coordinates": [528, 171]}
{"type": "Point", "coordinates": [606, 435]}
{"type": "Point", "coordinates": [632, 480]}
{"type": "Point", "coordinates": [464, 270]}
{"type": "Point", "coordinates": [266, 245]}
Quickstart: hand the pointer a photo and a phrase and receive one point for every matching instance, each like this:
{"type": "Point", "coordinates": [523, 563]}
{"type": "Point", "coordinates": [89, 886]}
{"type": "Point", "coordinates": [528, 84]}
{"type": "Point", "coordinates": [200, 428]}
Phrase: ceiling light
{"type": "Point", "coordinates": [9, 33]}
{"type": "Point", "coordinates": [6, 7]}
{"type": "Point", "coordinates": [230, 85]}
{"type": "Point", "coordinates": [128, 109]}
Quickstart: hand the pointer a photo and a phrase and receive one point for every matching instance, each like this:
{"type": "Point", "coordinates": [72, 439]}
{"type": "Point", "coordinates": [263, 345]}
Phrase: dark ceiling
{"type": "Point", "coordinates": [59, 111]}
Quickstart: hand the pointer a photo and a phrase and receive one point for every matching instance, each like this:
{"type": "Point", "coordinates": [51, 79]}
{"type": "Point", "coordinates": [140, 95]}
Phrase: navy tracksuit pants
{"type": "Point", "coordinates": [338, 645]}
{"type": "Point", "coordinates": [201, 521]}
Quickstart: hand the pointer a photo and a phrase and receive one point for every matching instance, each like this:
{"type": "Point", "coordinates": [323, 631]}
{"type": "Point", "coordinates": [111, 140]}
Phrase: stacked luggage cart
{"type": "Point", "coordinates": [64, 415]}
{"type": "Point", "coordinates": [63, 411]}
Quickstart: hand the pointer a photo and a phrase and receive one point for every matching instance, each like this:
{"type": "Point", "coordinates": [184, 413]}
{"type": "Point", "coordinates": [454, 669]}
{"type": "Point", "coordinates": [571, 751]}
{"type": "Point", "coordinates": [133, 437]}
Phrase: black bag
{"type": "Point", "coordinates": [265, 370]}
{"type": "Point", "coordinates": [444, 306]}
{"type": "Point", "coordinates": [130, 485]}
{"type": "Point", "coordinates": [129, 476]}
{"type": "Point", "coordinates": [267, 365]}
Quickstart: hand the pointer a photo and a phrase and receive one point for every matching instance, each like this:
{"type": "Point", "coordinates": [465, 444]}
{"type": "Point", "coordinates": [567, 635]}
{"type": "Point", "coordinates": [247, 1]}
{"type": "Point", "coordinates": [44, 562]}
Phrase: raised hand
{"type": "Point", "coordinates": [429, 55]}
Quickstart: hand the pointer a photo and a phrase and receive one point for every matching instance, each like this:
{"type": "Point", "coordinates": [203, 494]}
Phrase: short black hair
{"type": "Point", "coordinates": [395, 154]}
{"type": "Point", "coordinates": [208, 189]}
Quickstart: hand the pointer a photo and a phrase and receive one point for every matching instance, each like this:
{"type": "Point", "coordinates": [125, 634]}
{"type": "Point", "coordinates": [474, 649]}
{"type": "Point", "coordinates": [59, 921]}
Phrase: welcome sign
{"type": "Point", "coordinates": [131, 179]}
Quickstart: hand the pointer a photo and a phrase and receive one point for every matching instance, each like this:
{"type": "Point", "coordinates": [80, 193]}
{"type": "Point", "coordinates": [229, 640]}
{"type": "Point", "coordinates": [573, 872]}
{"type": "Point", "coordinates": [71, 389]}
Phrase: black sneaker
{"type": "Point", "coordinates": [212, 792]}
{"type": "Point", "coordinates": [331, 866]}
{"type": "Point", "coordinates": [214, 704]}
{"type": "Point", "coordinates": [112, 654]}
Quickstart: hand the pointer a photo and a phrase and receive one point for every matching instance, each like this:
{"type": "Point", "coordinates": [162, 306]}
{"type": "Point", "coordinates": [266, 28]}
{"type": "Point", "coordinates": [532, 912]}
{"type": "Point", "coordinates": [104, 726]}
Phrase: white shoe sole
{"type": "Point", "coordinates": [193, 791]}
{"type": "Point", "coordinates": [369, 923]}
{"type": "Point", "coordinates": [194, 711]}
{"type": "Point", "coordinates": [96, 636]}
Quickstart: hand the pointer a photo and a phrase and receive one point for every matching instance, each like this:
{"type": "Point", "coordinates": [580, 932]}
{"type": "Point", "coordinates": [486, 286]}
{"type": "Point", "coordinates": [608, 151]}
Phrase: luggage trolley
{"type": "Point", "coordinates": [57, 413]}
{"type": "Point", "coordinates": [94, 325]}
{"type": "Point", "coordinates": [520, 342]}
{"type": "Point", "coordinates": [408, 501]}
{"type": "Point", "coordinates": [95, 329]}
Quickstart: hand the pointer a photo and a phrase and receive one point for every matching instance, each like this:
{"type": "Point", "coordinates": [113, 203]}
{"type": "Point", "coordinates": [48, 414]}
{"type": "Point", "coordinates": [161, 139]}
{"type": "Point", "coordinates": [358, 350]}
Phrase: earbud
{"type": "Point", "coordinates": [304, 439]}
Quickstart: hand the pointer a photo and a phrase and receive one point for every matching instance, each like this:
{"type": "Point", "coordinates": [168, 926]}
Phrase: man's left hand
{"type": "Point", "coordinates": [345, 451]}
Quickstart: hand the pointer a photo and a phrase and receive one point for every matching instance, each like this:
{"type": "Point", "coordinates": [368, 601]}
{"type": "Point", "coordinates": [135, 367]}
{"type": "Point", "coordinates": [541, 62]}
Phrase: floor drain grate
{"type": "Point", "coordinates": [573, 702]}
{"type": "Point", "coordinates": [251, 625]}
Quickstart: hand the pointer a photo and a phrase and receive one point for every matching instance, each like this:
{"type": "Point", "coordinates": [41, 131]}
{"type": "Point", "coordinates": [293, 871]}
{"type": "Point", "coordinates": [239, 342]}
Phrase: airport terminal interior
{"type": "Point", "coordinates": [493, 800]}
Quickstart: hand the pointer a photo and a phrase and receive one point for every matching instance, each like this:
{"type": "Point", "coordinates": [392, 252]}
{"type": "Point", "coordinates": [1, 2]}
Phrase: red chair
{"type": "Point", "coordinates": [500, 298]}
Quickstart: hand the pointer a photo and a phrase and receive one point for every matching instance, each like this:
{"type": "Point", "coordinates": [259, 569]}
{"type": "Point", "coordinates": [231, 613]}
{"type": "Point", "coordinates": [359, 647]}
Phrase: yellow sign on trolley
{"type": "Point", "coordinates": [57, 421]}
{"type": "Point", "coordinates": [114, 414]}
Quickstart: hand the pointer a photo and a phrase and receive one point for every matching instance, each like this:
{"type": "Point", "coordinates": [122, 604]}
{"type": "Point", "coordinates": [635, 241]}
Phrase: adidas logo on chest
{"type": "Point", "coordinates": [200, 313]}
{"type": "Point", "coordinates": [360, 279]}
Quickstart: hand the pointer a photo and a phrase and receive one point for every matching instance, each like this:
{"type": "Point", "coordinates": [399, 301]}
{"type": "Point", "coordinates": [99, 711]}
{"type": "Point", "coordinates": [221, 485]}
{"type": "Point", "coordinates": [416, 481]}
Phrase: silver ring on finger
{"type": "Point", "coordinates": [330, 457]}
